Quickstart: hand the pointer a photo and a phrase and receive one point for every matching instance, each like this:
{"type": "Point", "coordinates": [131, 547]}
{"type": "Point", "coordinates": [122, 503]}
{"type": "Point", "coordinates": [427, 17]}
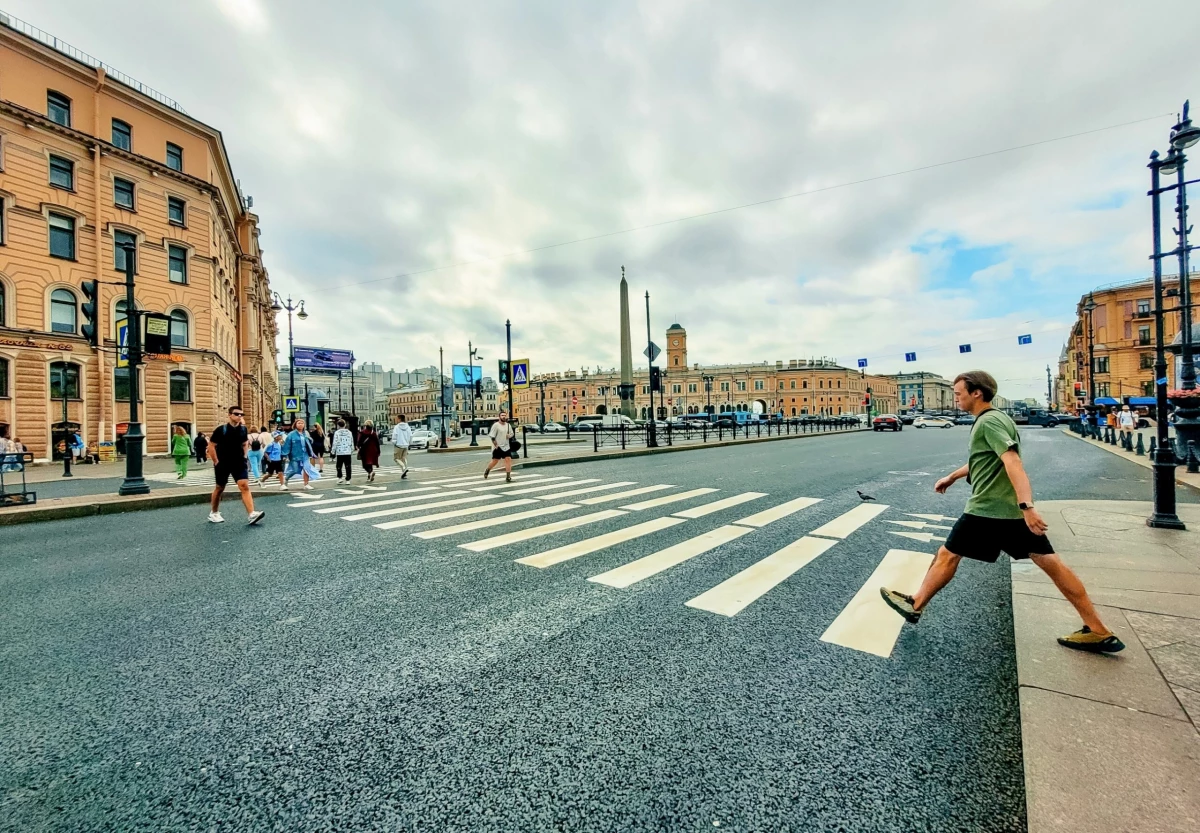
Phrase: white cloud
{"type": "Point", "coordinates": [247, 15]}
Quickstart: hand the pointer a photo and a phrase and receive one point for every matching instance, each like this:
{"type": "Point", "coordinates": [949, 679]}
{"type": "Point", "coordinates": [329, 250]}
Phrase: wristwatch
{"type": "Point", "coordinates": [1024, 506]}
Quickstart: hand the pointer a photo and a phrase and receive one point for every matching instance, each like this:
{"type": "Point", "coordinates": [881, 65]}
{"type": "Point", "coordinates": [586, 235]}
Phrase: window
{"type": "Point", "coordinates": [1147, 361]}
{"type": "Point", "coordinates": [174, 157]}
{"type": "Point", "coordinates": [62, 311]}
{"type": "Point", "coordinates": [62, 236]}
{"type": "Point", "coordinates": [123, 193]}
{"type": "Point", "coordinates": [2, 311]}
{"type": "Point", "coordinates": [120, 240]}
{"type": "Point", "coordinates": [58, 108]}
{"type": "Point", "coordinates": [1143, 307]}
{"type": "Point", "coordinates": [179, 329]}
{"type": "Point", "coordinates": [3, 378]}
{"type": "Point", "coordinates": [1144, 335]}
{"type": "Point", "coordinates": [175, 211]}
{"type": "Point", "coordinates": [62, 173]}
{"type": "Point", "coordinates": [805, 383]}
{"type": "Point", "coordinates": [725, 387]}
{"type": "Point", "coordinates": [741, 385]}
{"type": "Point", "coordinates": [1147, 388]}
{"type": "Point", "coordinates": [2, 224]}
{"type": "Point", "coordinates": [64, 379]}
{"type": "Point", "coordinates": [758, 384]}
{"type": "Point", "coordinates": [691, 387]}
{"type": "Point", "coordinates": [793, 384]}
{"type": "Point", "coordinates": [676, 388]}
{"type": "Point", "coordinates": [121, 384]}
{"type": "Point", "coordinates": [177, 264]}
{"type": "Point", "coordinates": [181, 386]}
{"type": "Point", "coordinates": [122, 135]}
{"type": "Point", "coordinates": [1102, 389]}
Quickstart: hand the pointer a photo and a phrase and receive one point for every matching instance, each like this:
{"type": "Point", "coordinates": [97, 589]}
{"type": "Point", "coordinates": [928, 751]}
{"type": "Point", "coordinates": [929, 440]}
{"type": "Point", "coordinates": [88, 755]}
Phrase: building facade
{"type": "Point", "coordinates": [795, 388]}
{"type": "Point", "coordinates": [1122, 342]}
{"type": "Point", "coordinates": [924, 391]}
{"type": "Point", "coordinates": [344, 393]}
{"type": "Point", "coordinates": [88, 163]}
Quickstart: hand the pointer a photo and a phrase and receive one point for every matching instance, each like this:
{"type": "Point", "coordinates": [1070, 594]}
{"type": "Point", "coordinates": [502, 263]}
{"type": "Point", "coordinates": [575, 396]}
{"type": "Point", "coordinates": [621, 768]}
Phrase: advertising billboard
{"type": "Point", "coordinates": [324, 358]}
{"type": "Point", "coordinates": [462, 374]}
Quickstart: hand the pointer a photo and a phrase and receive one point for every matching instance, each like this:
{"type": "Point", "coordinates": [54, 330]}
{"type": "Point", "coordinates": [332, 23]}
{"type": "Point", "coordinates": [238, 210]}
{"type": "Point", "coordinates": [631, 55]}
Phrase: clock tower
{"type": "Point", "coordinates": [676, 348]}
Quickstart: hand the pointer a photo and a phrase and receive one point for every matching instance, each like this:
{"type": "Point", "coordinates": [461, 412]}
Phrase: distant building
{"type": "Point", "coordinates": [385, 380]}
{"type": "Point", "coordinates": [924, 391]}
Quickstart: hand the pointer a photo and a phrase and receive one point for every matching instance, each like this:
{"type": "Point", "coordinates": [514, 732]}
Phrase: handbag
{"type": "Point", "coordinates": [514, 445]}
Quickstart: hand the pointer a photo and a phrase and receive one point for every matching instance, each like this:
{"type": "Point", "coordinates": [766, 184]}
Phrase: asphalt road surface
{"type": "Point", "coordinates": [319, 672]}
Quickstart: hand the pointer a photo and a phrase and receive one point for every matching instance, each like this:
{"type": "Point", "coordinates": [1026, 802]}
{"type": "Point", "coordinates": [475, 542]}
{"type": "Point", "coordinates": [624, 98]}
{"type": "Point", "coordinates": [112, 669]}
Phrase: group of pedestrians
{"type": "Point", "coordinates": [14, 447]}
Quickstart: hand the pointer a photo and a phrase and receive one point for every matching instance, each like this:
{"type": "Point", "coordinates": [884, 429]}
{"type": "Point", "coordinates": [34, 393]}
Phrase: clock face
{"type": "Point", "coordinates": [674, 342]}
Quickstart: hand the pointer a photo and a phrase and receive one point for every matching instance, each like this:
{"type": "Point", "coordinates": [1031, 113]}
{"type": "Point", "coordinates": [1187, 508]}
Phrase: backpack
{"type": "Point", "coordinates": [255, 445]}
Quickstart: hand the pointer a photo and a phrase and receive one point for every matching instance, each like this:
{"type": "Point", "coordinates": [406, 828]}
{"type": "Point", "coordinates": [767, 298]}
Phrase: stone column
{"type": "Point", "coordinates": [625, 389]}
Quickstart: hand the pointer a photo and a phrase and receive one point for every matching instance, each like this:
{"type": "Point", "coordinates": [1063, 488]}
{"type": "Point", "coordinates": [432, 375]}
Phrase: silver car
{"type": "Point", "coordinates": [422, 438]}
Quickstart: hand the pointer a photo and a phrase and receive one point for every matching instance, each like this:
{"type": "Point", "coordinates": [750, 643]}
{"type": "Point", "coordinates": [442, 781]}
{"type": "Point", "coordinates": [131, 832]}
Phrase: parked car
{"type": "Point", "coordinates": [907, 418]}
{"type": "Point", "coordinates": [887, 422]}
{"type": "Point", "coordinates": [580, 425]}
{"type": "Point", "coordinates": [1051, 419]}
{"type": "Point", "coordinates": [423, 438]}
{"type": "Point", "coordinates": [932, 422]}
{"type": "Point", "coordinates": [964, 419]}
{"type": "Point", "coordinates": [553, 428]}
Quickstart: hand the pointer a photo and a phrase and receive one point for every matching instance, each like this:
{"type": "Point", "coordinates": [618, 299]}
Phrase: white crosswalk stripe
{"type": "Point", "coordinates": [420, 507]}
{"type": "Point", "coordinates": [643, 490]}
{"type": "Point", "coordinates": [531, 489]}
{"type": "Point", "coordinates": [514, 484]}
{"type": "Point", "coordinates": [503, 519]}
{"type": "Point", "coordinates": [610, 539]}
{"type": "Point", "coordinates": [356, 499]}
{"type": "Point", "coordinates": [867, 623]}
{"type": "Point", "coordinates": [322, 509]}
{"type": "Point", "coordinates": [776, 512]}
{"type": "Point", "coordinates": [655, 563]}
{"type": "Point", "coordinates": [589, 490]}
{"type": "Point", "coordinates": [457, 513]}
{"type": "Point", "coordinates": [846, 523]}
{"type": "Point", "coordinates": [732, 596]}
{"type": "Point", "coordinates": [539, 531]}
{"type": "Point", "coordinates": [663, 501]}
{"type": "Point", "coordinates": [717, 505]}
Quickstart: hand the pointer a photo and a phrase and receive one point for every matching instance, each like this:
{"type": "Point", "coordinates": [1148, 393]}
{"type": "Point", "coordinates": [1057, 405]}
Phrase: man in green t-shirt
{"type": "Point", "coordinates": [1000, 516]}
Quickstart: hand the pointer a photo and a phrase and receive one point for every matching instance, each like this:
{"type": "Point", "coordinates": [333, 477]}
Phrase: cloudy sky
{"type": "Point", "coordinates": [405, 157]}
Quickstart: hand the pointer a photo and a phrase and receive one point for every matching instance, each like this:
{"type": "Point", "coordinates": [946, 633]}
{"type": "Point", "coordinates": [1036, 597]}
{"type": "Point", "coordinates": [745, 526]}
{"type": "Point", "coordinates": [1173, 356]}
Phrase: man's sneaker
{"type": "Point", "coordinates": [508, 478]}
{"type": "Point", "coordinates": [404, 474]}
{"type": "Point", "coordinates": [308, 487]}
{"type": "Point", "coordinates": [283, 487]}
{"type": "Point", "coordinates": [215, 518]}
{"type": "Point", "coordinates": [255, 517]}
{"type": "Point", "coordinates": [1085, 640]}
{"type": "Point", "coordinates": [902, 603]}
{"type": "Point", "coordinates": [486, 472]}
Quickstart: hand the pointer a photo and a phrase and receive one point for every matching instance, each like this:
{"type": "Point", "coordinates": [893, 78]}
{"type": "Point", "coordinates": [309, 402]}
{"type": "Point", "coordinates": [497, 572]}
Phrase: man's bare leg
{"type": "Point", "coordinates": [944, 565]}
{"type": "Point", "coordinates": [216, 498]}
{"type": "Point", "coordinates": [1072, 588]}
{"type": "Point", "coordinates": [247, 498]}
{"type": "Point", "coordinates": [491, 465]}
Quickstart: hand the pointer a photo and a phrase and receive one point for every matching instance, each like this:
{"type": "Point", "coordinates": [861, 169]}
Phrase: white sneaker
{"type": "Point", "coordinates": [215, 518]}
{"type": "Point", "coordinates": [255, 517]}
{"type": "Point", "coordinates": [283, 487]}
{"type": "Point", "coordinates": [308, 487]}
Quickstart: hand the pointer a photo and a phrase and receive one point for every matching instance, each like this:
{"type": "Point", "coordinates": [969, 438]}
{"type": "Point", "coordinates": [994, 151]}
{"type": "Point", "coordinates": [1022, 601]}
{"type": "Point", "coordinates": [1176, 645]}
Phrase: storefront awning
{"type": "Point", "coordinates": [1105, 400]}
{"type": "Point", "coordinates": [1149, 401]}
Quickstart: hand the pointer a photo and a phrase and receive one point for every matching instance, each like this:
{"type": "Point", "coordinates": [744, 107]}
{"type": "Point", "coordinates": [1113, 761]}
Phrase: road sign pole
{"type": "Point", "coordinates": [508, 339]}
{"type": "Point", "coordinates": [134, 483]}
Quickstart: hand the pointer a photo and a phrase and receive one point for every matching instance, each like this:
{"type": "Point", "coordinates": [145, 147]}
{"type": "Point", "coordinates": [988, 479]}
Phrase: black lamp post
{"type": "Point", "coordinates": [279, 306]}
{"type": "Point", "coordinates": [1089, 307]}
{"type": "Point", "coordinates": [472, 355]}
{"type": "Point", "coordinates": [442, 396]}
{"type": "Point", "coordinates": [708, 380]}
{"type": "Point", "coordinates": [67, 445]}
{"type": "Point", "coordinates": [134, 483]}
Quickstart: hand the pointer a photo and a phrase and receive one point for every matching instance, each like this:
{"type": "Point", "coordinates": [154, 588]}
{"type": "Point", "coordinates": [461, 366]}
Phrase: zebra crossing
{"type": "Point", "coordinates": [538, 507]}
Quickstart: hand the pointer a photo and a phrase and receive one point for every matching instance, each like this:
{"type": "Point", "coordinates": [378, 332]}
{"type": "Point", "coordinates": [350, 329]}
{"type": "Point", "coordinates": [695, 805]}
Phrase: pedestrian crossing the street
{"type": "Point", "coordinates": [533, 509]}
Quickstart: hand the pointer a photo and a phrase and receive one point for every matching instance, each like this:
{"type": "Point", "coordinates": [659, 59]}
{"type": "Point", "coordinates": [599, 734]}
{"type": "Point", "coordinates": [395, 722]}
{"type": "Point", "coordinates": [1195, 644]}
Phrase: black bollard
{"type": "Point", "coordinates": [1153, 447]}
{"type": "Point", "coordinates": [1193, 465]}
{"type": "Point", "coordinates": [1141, 449]}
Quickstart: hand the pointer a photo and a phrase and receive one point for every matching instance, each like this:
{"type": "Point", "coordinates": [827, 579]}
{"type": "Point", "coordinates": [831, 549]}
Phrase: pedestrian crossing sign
{"type": "Point", "coordinates": [519, 373]}
{"type": "Point", "coordinates": [291, 404]}
{"type": "Point", "coordinates": [123, 343]}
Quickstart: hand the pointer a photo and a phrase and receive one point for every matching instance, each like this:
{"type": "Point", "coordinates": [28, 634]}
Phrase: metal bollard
{"type": "Point", "coordinates": [1141, 449]}
{"type": "Point", "coordinates": [1193, 465]}
{"type": "Point", "coordinates": [1153, 447]}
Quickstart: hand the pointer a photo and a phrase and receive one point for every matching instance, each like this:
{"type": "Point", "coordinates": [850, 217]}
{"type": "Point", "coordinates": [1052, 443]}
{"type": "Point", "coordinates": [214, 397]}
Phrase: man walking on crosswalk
{"type": "Point", "coordinates": [401, 440]}
{"type": "Point", "coordinates": [501, 434]}
{"type": "Point", "coordinates": [1000, 516]}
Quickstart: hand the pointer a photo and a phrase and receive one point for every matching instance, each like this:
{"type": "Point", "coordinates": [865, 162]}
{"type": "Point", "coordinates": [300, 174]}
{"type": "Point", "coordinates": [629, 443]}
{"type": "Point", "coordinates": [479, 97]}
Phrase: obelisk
{"type": "Point", "coordinates": [625, 389]}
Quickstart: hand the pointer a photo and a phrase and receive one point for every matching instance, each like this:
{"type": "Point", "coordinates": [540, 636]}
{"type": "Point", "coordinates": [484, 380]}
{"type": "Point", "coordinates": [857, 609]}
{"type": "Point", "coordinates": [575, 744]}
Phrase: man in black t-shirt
{"type": "Point", "coordinates": [227, 449]}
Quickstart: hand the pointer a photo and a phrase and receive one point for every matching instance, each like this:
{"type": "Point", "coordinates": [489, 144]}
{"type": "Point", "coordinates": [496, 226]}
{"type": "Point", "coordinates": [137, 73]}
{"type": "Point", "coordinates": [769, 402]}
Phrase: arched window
{"type": "Point", "coordinates": [181, 386]}
{"type": "Point", "coordinates": [62, 311]}
{"type": "Point", "coordinates": [64, 380]}
{"type": "Point", "coordinates": [3, 313]}
{"type": "Point", "coordinates": [179, 328]}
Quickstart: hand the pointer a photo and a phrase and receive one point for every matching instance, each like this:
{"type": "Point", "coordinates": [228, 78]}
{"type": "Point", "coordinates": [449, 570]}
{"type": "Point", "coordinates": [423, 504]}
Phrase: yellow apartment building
{"type": "Point", "coordinates": [90, 159]}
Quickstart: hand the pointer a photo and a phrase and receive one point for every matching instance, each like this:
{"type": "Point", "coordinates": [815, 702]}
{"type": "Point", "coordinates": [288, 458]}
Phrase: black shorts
{"type": "Point", "coordinates": [224, 473]}
{"type": "Point", "coordinates": [273, 467]}
{"type": "Point", "coordinates": [983, 538]}
{"type": "Point", "coordinates": [498, 454]}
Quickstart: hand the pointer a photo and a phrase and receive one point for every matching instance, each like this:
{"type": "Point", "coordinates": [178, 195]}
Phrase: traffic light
{"type": "Point", "coordinates": [91, 296]}
{"type": "Point", "coordinates": [478, 389]}
{"type": "Point", "coordinates": [662, 412]}
{"type": "Point", "coordinates": [1079, 389]}
{"type": "Point", "coordinates": [504, 371]}
{"type": "Point", "coordinates": [277, 416]}
{"type": "Point", "coordinates": [655, 379]}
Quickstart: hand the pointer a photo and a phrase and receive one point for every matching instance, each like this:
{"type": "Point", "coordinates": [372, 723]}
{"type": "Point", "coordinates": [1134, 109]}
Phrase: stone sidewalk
{"type": "Point", "coordinates": [1111, 742]}
{"type": "Point", "coordinates": [1181, 474]}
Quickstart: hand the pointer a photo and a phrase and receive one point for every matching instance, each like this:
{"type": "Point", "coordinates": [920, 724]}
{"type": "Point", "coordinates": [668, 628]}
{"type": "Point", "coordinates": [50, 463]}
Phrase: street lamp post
{"type": "Point", "coordinates": [62, 388]}
{"type": "Point", "coordinates": [708, 380]}
{"type": "Point", "coordinates": [279, 306]}
{"type": "Point", "coordinates": [134, 483]}
{"type": "Point", "coordinates": [472, 355]}
{"type": "Point", "coordinates": [1090, 307]}
{"type": "Point", "coordinates": [442, 395]}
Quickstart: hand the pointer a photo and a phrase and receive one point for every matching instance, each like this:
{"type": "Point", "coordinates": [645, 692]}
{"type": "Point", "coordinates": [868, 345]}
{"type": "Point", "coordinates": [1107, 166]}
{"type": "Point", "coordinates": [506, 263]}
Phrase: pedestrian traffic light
{"type": "Point", "coordinates": [504, 371]}
{"type": "Point", "coordinates": [478, 389]}
{"type": "Point", "coordinates": [277, 416]}
{"type": "Point", "coordinates": [655, 379]}
{"type": "Point", "coordinates": [91, 296]}
{"type": "Point", "coordinates": [1079, 389]}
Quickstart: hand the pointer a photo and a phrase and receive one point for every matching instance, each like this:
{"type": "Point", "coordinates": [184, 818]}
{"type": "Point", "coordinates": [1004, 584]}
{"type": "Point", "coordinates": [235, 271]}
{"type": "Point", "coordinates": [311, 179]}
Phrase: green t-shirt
{"type": "Point", "coordinates": [992, 493]}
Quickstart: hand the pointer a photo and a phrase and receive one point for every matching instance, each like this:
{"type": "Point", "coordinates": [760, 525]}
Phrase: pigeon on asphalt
{"type": "Point", "coordinates": [861, 496]}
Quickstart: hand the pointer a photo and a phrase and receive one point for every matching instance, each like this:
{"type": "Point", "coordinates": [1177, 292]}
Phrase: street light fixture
{"type": "Point", "coordinates": [1185, 134]}
{"type": "Point", "coordinates": [1089, 307]}
{"type": "Point", "coordinates": [473, 354]}
{"type": "Point", "coordinates": [279, 306]}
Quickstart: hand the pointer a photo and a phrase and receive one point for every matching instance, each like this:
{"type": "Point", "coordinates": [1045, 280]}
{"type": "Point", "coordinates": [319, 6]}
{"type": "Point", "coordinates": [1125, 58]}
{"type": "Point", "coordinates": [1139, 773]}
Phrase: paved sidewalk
{"type": "Point", "coordinates": [1111, 742]}
{"type": "Point", "coordinates": [1181, 474]}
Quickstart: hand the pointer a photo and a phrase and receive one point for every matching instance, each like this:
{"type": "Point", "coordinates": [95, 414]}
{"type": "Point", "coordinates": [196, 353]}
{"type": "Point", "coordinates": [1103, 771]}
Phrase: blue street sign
{"type": "Point", "coordinates": [519, 373]}
{"type": "Point", "coordinates": [1161, 381]}
{"type": "Point", "coordinates": [464, 374]}
{"type": "Point", "coordinates": [291, 404]}
{"type": "Point", "coordinates": [862, 362]}
{"type": "Point", "coordinates": [910, 357]}
{"type": "Point", "coordinates": [123, 343]}
{"type": "Point", "coordinates": [1025, 339]}
{"type": "Point", "coordinates": [964, 348]}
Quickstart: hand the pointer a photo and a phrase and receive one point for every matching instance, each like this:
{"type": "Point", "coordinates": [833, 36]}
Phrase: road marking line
{"type": "Point", "coordinates": [589, 490]}
{"type": "Point", "coordinates": [307, 497]}
{"type": "Point", "coordinates": [538, 531]}
{"type": "Point", "coordinates": [867, 623]}
{"type": "Point", "coordinates": [622, 495]}
{"type": "Point", "coordinates": [734, 594]}
{"type": "Point", "coordinates": [846, 523]}
{"type": "Point", "coordinates": [918, 525]}
{"type": "Point", "coordinates": [349, 491]}
{"type": "Point", "coordinates": [329, 501]}
{"type": "Point", "coordinates": [923, 537]}
{"type": "Point", "coordinates": [655, 563]}
{"type": "Point", "coordinates": [776, 512]}
{"type": "Point", "coordinates": [351, 507]}
{"type": "Point", "coordinates": [503, 519]}
{"type": "Point", "coordinates": [420, 507]}
{"type": "Point", "coordinates": [550, 488]}
{"type": "Point", "coordinates": [934, 518]}
{"type": "Point", "coordinates": [375, 488]}
{"type": "Point", "coordinates": [590, 545]}
{"type": "Point", "coordinates": [457, 513]}
{"type": "Point", "coordinates": [479, 477]}
{"type": "Point", "coordinates": [717, 505]}
{"type": "Point", "coordinates": [515, 484]}
{"type": "Point", "coordinates": [663, 501]}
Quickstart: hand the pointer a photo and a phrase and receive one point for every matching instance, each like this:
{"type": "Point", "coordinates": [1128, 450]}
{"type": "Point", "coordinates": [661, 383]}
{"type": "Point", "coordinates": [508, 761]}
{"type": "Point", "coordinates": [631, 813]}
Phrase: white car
{"type": "Point", "coordinates": [422, 438]}
{"type": "Point", "coordinates": [932, 422]}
